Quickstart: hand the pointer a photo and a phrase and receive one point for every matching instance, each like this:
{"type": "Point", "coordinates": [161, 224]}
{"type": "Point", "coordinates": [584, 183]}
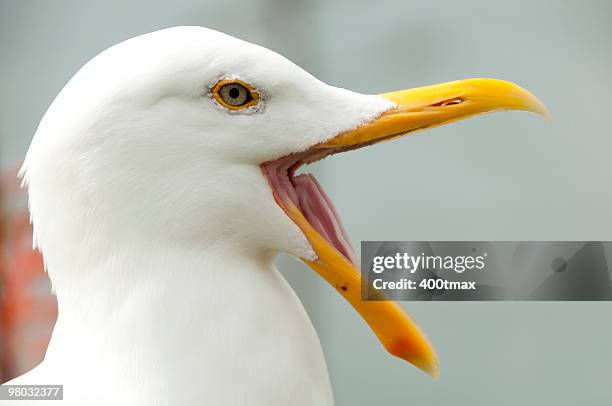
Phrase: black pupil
{"type": "Point", "coordinates": [234, 93]}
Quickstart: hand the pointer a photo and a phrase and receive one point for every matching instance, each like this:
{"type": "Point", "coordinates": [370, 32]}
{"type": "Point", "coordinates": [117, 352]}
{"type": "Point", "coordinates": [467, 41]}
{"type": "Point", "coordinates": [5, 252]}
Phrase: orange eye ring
{"type": "Point", "coordinates": [235, 94]}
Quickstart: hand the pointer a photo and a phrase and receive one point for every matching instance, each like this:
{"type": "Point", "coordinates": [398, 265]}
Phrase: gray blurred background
{"type": "Point", "coordinates": [499, 177]}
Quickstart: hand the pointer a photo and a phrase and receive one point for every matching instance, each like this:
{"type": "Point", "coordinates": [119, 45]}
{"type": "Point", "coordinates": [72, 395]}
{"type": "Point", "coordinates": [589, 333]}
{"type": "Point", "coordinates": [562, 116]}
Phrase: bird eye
{"type": "Point", "coordinates": [234, 94]}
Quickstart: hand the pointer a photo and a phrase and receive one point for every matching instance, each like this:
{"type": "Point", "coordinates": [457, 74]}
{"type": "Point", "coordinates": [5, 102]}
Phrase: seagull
{"type": "Point", "coordinates": [164, 179]}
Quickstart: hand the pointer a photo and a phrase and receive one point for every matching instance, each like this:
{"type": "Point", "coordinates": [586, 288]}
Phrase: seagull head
{"type": "Point", "coordinates": [191, 138]}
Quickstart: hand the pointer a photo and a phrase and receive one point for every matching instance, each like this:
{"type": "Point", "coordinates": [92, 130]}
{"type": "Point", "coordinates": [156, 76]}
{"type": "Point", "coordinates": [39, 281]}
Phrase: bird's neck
{"type": "Point", "coordinates": [156, 319]}
{"type": "Point", "coordinates": [153, 279]}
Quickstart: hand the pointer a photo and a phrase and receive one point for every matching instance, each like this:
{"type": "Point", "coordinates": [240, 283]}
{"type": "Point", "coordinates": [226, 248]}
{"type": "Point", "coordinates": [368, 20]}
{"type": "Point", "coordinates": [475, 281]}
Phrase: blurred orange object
{"type": "Point", "coordinates": [28, 309]}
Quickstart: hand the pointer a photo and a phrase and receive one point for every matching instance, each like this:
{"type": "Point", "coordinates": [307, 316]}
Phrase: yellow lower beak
{"type": "Point", "coordinates": [416, 109]}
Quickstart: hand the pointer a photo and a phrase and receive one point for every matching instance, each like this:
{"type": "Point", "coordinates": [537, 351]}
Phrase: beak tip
{"type": "Point", "coordinates": [434, 372]}
{"type": "Point", "coordinates": [529, 102]}
{"type": "Point", "coordinates": [419, 353]}
{"type": "Point", "coordinates": [546, 114]}
{"type": "Point", "coordinates": [540, 109]}
{"type": "Point", "coordinates": [431, 368]}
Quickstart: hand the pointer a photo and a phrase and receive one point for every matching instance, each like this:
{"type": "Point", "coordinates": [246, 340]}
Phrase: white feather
{"type": "Point", "coordinates": [158, 229]}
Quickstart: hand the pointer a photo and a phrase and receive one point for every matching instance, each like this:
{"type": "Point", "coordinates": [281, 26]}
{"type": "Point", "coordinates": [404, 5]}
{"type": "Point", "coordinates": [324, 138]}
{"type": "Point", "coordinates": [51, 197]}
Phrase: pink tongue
{"type": "Point", "coordinates": [321, 214]}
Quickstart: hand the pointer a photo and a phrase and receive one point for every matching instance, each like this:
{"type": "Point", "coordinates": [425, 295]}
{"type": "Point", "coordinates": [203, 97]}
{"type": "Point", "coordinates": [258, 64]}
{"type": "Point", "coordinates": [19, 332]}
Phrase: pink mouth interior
{"type": "Point", "coordinates": [307, 194]}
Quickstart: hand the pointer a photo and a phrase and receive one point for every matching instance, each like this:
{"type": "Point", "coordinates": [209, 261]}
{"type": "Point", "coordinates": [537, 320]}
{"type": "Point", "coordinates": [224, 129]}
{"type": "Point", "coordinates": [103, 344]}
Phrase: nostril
{"type": "Point", "coordinates": [448, 102]}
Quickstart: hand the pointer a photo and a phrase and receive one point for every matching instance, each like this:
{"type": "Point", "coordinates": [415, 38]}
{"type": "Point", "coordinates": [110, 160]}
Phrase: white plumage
{"type": "Point", "coordinates": [159, 207]}
{"type": "Point", "coordinates": [158, 229]}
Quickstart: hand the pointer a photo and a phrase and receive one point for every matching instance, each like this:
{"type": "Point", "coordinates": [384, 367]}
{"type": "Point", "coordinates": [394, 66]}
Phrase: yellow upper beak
{"type": "Point", "coordinates": [431, 106]}
{"type": "Point", "coordinates": [415, 109]}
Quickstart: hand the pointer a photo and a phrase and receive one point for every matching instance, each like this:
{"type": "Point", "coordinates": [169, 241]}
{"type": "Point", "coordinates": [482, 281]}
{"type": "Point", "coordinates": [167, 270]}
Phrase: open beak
{"type": "Point", "coordinates": [305, 202]}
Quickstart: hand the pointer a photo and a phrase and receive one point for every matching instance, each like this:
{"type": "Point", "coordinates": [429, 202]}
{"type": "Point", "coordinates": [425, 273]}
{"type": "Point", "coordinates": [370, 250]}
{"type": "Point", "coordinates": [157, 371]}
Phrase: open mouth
{"type": "Point", "coordinates": [305, 202]}
{"type": "Point", "coordinates": [306, 194]}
